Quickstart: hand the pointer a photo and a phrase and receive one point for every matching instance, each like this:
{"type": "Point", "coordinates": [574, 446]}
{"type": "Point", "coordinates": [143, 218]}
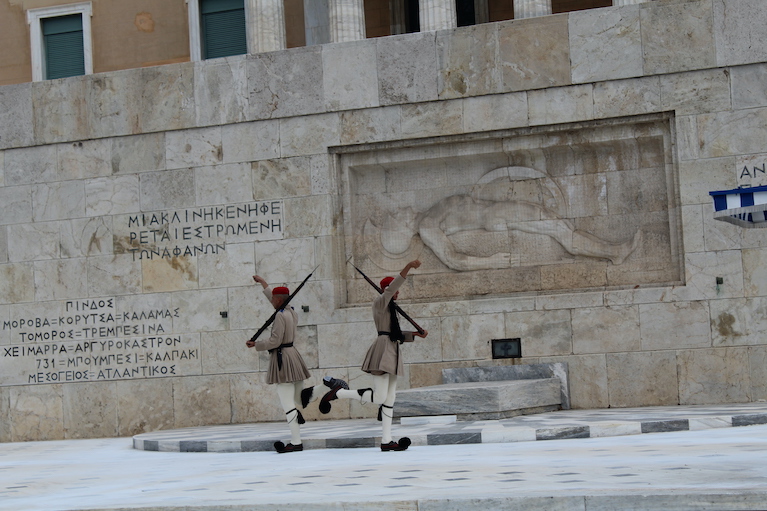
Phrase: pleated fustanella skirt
{"type": "Point", "coordinates": [383, 357]}
{"type": "Point", "coordinates": [293, 367]}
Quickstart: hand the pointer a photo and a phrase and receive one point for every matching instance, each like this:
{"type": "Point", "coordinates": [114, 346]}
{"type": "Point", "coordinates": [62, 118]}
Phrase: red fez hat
{"type": "Point", "coordinates": [386, 281]}
{"type": "Point", "coordinates": [281, 291]}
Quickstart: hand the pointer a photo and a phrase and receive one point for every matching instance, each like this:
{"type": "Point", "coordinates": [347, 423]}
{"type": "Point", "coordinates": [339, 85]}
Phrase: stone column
{"type": "Point", "coordinates": [347, 20]}
{"type": "Point", "coordinates": [531, 8]}
{"type": "Point", "coordinates": [437, 14]}
{"type": "Point", "coordinates": [266, 25]}
{"type": "Point", "coordinates": [316, 22]}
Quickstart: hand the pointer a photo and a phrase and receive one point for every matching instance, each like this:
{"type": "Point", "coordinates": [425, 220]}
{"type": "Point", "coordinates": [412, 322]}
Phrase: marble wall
{"type": "Point", "coordinates": [136, 205]}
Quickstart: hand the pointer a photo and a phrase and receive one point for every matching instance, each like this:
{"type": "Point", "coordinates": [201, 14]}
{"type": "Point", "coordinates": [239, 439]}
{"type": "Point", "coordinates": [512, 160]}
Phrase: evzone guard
{"type": "Point", "coordinates": [383, 360]}
{"type": "Point", "coordinates": [287, 369]}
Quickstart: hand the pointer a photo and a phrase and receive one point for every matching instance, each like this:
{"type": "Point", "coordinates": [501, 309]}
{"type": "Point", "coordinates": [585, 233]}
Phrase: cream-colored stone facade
{"type": "Point", "coordinates": [129, 34]}
{"type": "Point", "coordinates": [137, 204]}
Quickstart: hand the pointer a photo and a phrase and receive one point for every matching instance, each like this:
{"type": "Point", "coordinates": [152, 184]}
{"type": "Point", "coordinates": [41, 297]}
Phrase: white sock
{"type": "Point", "coordinates": [386, 418]}
{"type": "Point", "coordinates": [287, 392]}
{"type": "Point", "coordinates": [365, 398]}
{"type": "Point", "coordinates": [295, 428]}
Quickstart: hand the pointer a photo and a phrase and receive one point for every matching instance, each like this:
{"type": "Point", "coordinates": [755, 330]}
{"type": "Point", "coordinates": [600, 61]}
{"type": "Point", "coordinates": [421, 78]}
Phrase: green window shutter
{"type": "Point", "coordinates": [63, 46]}
{"type": "Point", "coordinates": [223, 28]}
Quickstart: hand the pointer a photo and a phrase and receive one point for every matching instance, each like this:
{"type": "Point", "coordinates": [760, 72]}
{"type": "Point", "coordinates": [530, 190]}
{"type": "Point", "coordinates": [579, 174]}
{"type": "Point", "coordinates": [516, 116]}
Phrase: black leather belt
{"type": "Point", "coordinates": [381, 332]}
{"type": "Point", "coordinates": [278, 349]}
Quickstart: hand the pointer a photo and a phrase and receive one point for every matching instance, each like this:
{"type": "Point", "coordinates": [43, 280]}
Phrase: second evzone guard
{"type": "Point", "coordinates": [383, 361]}
{"type": "Point", "coordinates": [287, 369]}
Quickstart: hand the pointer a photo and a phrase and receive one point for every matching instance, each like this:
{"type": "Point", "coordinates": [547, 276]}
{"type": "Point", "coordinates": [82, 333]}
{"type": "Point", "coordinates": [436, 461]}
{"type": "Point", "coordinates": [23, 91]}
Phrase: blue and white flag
{"type": "Point", "coordinates": [742, 206]}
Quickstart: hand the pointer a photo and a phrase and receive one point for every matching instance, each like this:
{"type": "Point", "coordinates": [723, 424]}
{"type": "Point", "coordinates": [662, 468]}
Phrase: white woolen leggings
{"type": "Point", "coordinates": [290, 399]}
{"type": "Point", "coordinates": [384, 393]}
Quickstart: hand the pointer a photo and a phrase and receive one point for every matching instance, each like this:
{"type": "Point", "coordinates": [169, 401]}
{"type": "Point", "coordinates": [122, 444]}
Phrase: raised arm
{"type": "Point", "coordinates": [412, 265]}
{"type": "Point", "coordinates": [409, 266]}
{"type": "Point", "coordinates": [259, 280]}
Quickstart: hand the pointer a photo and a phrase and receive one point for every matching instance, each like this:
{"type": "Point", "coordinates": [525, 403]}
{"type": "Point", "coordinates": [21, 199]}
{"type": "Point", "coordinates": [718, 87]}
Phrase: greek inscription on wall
{"type": "Point", "coordinates": [92, 340]}
{"type": "Point", "coordinates": [752, 170]}
{"type": "Point", "coordinates": [197, 231]}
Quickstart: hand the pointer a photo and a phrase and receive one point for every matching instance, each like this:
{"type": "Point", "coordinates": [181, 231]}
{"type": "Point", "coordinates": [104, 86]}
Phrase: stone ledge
{"type": "Point", "coordinates": [513, 372]}
{"type": "Point", "coordinates": [479, 400]}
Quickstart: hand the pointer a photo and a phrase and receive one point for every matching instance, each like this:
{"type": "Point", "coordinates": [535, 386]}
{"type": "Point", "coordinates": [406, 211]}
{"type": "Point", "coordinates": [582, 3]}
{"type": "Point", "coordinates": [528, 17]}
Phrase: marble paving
{"type": "Point", "coordinates": [721, 468]}
{"type": "Point", "coordinates": [445, 430]}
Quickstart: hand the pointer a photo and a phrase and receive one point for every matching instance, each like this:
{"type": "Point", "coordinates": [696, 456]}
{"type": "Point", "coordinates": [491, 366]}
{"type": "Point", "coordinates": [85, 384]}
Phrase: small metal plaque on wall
{"type": "Point", "coordinates": [507, 348]}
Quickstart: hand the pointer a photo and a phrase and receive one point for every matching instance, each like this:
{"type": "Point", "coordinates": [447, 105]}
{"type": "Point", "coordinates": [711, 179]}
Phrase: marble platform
{"type": "Point", "coordinates": [489, 392]}
{"type": "Point", "coordinates": [445, 430]}
{"type": "Point", "coordinates": [557, 370]}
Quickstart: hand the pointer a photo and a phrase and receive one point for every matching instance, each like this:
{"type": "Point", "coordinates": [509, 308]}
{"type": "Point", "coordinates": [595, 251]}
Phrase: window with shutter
{"type": "Point", "coordinates": [63, 46]}
{"type": "Point", "coordinates": [60, 41]}
{"type": "Point", "coordinates": [222, 23]}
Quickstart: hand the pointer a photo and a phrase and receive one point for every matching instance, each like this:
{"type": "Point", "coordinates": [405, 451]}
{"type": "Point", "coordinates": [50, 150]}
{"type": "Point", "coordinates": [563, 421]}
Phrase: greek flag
{"type": "Point", "coordinates": [742, 206]}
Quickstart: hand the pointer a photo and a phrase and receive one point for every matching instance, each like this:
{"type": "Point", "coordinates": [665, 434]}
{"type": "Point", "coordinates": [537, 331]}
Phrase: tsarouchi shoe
{"type": "Point", "coordinates": [331, 382]}
{"type": "Point", "coordinates": [335, 385]}
{"type": "Point", "coordinates": [281, 447]}
{"type": "Point", "coordinates": [402, 445]}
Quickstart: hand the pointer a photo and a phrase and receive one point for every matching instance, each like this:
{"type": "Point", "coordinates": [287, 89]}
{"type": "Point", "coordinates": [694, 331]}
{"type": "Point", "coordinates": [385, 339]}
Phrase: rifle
{"type": "Point", "coordinates": [284, 304]}
{"type": "Point", "coordinates": [396, 307]}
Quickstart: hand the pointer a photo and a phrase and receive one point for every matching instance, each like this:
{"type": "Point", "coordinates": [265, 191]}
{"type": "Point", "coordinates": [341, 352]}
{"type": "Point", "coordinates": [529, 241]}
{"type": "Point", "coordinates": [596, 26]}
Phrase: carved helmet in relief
{"type": "Point", "coordinates": [398, 230]}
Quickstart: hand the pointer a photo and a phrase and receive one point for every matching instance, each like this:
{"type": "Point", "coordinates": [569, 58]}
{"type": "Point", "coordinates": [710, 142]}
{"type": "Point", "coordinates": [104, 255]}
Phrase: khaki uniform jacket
{"type": "Point", "coordinates": [283, 332]}
{"type": "Point", "coordinates": [383, 355]}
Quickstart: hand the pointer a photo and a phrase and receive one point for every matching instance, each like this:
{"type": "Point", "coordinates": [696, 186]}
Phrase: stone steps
{"type": "Point", "coordinates": [487, 400]}
{"type": "Point", "coordinates": [489, 393]}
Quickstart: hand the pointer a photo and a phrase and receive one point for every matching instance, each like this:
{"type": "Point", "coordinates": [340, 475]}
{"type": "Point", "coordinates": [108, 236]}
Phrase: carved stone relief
{"type": "Point", "coordinates": [575, 207]}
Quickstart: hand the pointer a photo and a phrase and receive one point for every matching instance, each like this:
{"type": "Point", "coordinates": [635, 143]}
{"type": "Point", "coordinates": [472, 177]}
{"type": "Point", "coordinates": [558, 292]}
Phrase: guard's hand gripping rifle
{"type": "Point", "coordinates": [396, 307]}
{"type": "Point", "coordinates": [284, 304]}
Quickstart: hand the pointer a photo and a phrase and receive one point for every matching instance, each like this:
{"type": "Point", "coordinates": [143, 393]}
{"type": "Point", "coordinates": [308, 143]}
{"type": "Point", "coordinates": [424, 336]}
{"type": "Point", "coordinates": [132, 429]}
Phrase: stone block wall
{"type": "Point", "coordinates": [137, 204]}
